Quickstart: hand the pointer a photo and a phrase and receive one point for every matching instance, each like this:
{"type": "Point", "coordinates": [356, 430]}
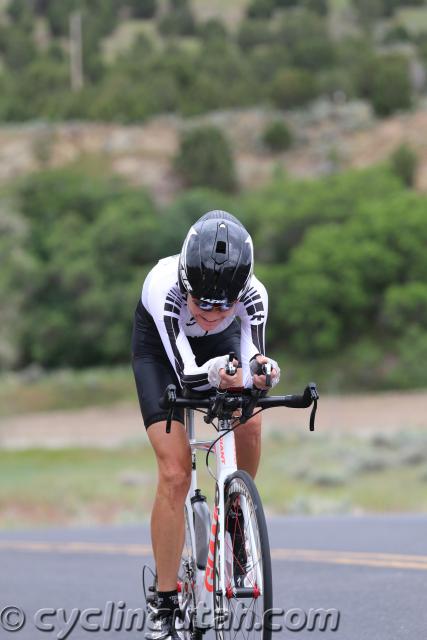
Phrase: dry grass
{"type": "Point", "coordinates": [299, 473]}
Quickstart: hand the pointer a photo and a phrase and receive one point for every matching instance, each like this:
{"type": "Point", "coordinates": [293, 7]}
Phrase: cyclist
{"type": "Point", "coordinates": [195, 309]}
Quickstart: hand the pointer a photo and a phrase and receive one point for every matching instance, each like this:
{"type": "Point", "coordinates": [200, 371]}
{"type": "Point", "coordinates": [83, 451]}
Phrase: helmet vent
{"type": "Point", "coordinates": [221, 247]}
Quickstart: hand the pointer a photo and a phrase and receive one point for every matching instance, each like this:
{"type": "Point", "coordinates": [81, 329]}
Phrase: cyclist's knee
{"type": "Point", "coordinates": [175, 479]}
{"type": "Point", "coordinates": [173, 455]}
{"type": "Point", "coordinates": [250, 432]}
{"type": "Point", "coordinates": [252, 426]}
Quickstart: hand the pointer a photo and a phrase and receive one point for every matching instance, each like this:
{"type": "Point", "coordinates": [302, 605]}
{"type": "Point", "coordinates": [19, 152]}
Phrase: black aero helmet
{"type": "Point", "coordinates": [216, 260]}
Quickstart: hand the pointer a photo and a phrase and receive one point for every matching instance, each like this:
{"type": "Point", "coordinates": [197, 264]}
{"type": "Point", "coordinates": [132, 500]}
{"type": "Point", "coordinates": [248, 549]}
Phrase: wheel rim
{"type": "Point", "coordinates": [247, 594]}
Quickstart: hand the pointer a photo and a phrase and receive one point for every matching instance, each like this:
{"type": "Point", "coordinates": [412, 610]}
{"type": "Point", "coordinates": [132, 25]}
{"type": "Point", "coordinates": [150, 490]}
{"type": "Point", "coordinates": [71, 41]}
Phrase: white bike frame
{"type": "Point", "coordinates": [226, 465]}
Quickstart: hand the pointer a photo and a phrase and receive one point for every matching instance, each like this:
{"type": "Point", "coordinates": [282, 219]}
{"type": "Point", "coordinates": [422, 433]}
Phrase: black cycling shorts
{"type": "Point", "coordinates": [151, 366]}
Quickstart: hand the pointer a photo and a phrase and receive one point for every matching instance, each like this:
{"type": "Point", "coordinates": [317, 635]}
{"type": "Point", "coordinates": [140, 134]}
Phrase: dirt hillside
{"type": "Point", "coordinates": [328, 137]}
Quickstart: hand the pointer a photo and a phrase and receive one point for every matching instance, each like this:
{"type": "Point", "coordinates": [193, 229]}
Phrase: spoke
{"type": "Point", "coordinates": [241, 527]}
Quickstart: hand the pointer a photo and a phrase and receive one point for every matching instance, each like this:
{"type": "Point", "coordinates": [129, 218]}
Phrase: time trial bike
{"type": "Point", "coordinates": [225, 579]}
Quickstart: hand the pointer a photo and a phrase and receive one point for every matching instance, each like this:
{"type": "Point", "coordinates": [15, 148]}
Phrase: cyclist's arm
{"type": "Point", "coordinates": [164, 305]}
{"type": "Point", "coordinates": [253, 311]}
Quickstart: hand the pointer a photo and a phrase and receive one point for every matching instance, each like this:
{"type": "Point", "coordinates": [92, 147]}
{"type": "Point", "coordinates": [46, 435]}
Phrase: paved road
{"type": "Point", "coordinates": [372, 569]}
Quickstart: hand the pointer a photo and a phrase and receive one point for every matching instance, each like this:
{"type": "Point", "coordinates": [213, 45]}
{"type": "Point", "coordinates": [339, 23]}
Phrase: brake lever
{"type": "Point", "coordinates": [169, 399]}
{"type": "Point", "coordinates": [314, 395]}
{"type": "Point", "coordinates": [265, 370]}
{"type": "Point", "coordinates": [230, 369]}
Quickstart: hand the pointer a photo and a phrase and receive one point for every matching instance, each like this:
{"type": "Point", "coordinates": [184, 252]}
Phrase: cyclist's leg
{"type": "Point", "coordinates": [167, 518]}
{"type": "Point", "coordinates": [153, 372]}
{"type": "Point", "coordinates": [248, 445]}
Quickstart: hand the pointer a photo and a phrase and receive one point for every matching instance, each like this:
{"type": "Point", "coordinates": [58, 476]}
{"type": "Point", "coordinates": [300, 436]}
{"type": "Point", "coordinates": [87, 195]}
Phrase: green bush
{"type": "Point", "coordinates": [335, 81]}
{"type": "Point", "coordinates": [185, 210]}
{"type": "Point", "coordinates": [16, 282]}
{"type": "Point", "coordinates": [277, 136]}
{"type": "Point", "coordinates": [292, 88]}
{"type": "Point", "coordinates": [260, 9]}
{"type": "Point", "coordinates": [397, 34]}
{"type": "Point", "coordinates": [223, 78]}
{"type": "Point", "coordinates": [408, 370]}
{"type": "Point", "coordinates": [253, 33]}
{"type": "Point", "coordinates": [285, 4]}
{"type": "Point", "coordinates": [390, 88]}
{"type": "Point", "coordinates": [317, 6]}
{"type": "Point", "coordinates": [290, 207]}
{"type": "Point", "coordinates": [340, 274]}
{"type": "Point", "coordinates": [92, 241]}
{"type": "Point", "coordinates": [212, 29]}
{"type": "Point", "coordinates": [17, 47]}
{"type": "Point", "coordinates": [405, 306]}
{"type": "Point", "coordinates": [356, 59]}
{"type": "Point", "coordinates": [404, 163]}
{"type": "Point", "coordinates": [305, 35]}
{"type": "Point", "coordinates": [205, 159]}
{"type": "Point", "coordinates": [369, 11]}
{"type": "Point", "coordinates": [145, 10]}
{"type": "Point", "coordinates": [265, 62]}
{"type": "Point", "coordinates": [178, 21]}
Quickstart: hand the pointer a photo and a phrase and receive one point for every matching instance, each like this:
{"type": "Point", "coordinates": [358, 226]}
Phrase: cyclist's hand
{"type": "Point", "coordinates": [217, 376]}
{"type": "Point", "coordinates": [227, 381]}
{"type": "Point", "coordinates": [259, 381]}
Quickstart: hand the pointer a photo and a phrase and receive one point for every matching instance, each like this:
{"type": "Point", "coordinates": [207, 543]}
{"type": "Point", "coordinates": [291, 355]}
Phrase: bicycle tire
{"type": "Point", "coordinates": [240, 486]}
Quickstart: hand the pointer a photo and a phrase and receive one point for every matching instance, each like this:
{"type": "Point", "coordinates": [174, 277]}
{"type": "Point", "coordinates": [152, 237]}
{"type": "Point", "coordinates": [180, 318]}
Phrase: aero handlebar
{"type": "Point", "coordinates": [242, 399]}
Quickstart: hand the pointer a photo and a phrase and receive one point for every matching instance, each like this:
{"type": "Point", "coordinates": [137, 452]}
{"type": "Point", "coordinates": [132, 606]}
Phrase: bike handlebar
{"type": "Point", "coordinates": [244, 398]}
{"type": "Point", "coordinates": [303, 401]}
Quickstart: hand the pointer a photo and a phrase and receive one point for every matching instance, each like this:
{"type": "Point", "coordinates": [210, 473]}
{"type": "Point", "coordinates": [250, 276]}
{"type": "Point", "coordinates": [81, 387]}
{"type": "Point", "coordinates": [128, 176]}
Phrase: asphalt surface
{"type": "Point", "coordinates": [372, 570]}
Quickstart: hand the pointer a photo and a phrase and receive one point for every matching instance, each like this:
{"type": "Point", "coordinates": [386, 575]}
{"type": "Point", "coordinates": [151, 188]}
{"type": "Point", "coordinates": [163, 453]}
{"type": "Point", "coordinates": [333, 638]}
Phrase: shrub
{"type": "Point", "coordinates": [18, 48]}
{"type": "Point", "coordinates": [253, 33]}
{"type": "Point", "coordinates": [292, 88]}
{"type": "Point", "coordinates": [369, 10]}
{"type": "Point", "coordinates": [405, 306]}
{"type": "Point", "coordinates": [91, 239]}
{"type": "Point", "coordinates": [145, 10]}
{"type": "Point", "coordinates": [212, 30]}
{"type": "Point", "coordinates": [178, 22]}
{"type": "Point", "coordinates": [317, 6]}
{"type": "Point", "coordinates": [16, 281]}
{"type": "Point", "coordinates": [390, 85]}
{"type": "Point", "coordinates": [306, 37]}
{"type": "Point", "coordinates": [185, 210]}
{"type": "Point", "coordinates": [404, 162]}
{"type": "Point", "coordinates": [266, 61]}
{"type": "Point", "coordinates": [285, 4]}
{"type": "Point", "coordinates": [277, 136]}
{"type": "Point", "coordinates": [409, 371]}
{"type": "Point", "coordinates": [260, 9]}
{"type": "Point", "coordinates": [205, 159]}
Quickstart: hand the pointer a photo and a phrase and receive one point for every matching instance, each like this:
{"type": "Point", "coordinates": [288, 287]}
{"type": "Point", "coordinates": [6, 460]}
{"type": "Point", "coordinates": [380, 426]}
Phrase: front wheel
{"type": "Point", "coordinates": [243, 603]}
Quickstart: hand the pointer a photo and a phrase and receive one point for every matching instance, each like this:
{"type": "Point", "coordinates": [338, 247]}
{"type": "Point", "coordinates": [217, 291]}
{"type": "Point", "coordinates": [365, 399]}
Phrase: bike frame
{"type": "Point", "coordinates": [226, 465]}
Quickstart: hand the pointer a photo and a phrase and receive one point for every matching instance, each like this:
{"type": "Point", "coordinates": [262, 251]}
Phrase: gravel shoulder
{"type": "Point", "coordinates": [121, 424]}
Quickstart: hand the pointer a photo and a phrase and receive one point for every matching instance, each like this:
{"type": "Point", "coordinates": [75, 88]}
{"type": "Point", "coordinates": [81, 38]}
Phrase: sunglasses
{"type": "Point", "coordinates": [209, 306]}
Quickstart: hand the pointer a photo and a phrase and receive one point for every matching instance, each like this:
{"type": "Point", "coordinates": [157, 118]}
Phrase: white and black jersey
{"type": "Point", "coordinates": [165, 303]}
